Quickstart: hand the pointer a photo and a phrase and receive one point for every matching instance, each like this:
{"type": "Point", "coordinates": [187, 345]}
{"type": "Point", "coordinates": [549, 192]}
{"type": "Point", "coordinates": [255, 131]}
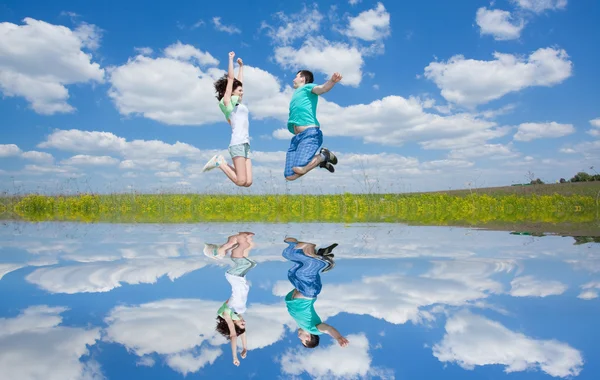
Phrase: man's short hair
{"type": "Point", "coordinates": [308, 76]}
{"type": "Point", "coordinates": [313, 342]}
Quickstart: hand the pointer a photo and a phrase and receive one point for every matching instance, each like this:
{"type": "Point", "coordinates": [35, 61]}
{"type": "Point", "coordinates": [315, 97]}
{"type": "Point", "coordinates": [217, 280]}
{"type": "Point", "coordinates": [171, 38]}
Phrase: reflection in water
{"type": "Point", "coordinates": [142, 301]}
{"type": "Point", "coordinates": [305, 276]}
{"type": "Point", "coordinates": [230, 320]}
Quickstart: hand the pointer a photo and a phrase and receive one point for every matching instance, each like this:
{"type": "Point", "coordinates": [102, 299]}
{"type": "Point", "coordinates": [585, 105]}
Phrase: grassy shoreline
{"type": "Point", "coordinates": [541, 208]}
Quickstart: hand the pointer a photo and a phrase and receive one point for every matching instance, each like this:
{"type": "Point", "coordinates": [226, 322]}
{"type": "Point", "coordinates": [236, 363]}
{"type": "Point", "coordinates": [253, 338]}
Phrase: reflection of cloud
{"type": "Point", "coordinates": [589, 290]}
{"type": "Point", "coordinates": [474, 273]}
{"type": "Point", "coordinates": [105, 276]}
{"type": "Point", "coordinates": [528, 286]}
{"type": "Point", "coordinates": [472, 340]}
{"type": "Point", "coordinates": [184, 330]}
{"type": "Point", "coordinates": [175, 328]}
{"type": "Point", "coordinates": [397, 298]}
{"type": "Point", "coordinates": [333, 361]}
{"type": "Point", "coordinates": [9, 267]}
{"type": "Point", "coordinates": [34, 346]}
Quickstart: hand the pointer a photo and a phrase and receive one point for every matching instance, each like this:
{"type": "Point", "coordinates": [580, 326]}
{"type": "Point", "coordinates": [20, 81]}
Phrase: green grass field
{"type": "Point", "coordinates": [560, 207]}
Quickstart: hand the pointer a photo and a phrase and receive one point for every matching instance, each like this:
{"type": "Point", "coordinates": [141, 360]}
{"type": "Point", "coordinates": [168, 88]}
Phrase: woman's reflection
{"type": "Point", "coordinates": [230, 321]}
{"type": "Point", "coordinates": [305, 276]}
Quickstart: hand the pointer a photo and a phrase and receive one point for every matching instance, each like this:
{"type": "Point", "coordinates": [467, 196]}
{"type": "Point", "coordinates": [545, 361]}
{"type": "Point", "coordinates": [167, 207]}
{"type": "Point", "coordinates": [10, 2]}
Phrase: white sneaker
{"type": "Point", "coordinates": [213, 163]}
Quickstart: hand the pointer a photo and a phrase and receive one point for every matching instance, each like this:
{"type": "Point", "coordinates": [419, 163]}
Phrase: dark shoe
{"type": "Point", "coordinates": [330, 264]}
{"type": "Point", "coordinates": [328, 166]}
{"type": "Point", "coordinates": [329, 156]}
{"type": "Point", "coordinates": [327, 250]}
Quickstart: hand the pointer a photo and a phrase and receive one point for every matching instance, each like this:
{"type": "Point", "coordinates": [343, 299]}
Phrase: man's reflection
{"type": "Point", "coordinates": [305, 276]}
{"type": "Point", "coordinates": [230, 321]}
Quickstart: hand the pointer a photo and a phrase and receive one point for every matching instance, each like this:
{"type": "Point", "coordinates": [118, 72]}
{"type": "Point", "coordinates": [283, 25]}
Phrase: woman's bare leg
{"type": "Point", "coordinates": [237, 173]}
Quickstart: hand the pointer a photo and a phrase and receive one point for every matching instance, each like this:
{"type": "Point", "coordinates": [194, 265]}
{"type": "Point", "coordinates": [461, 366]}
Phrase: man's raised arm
{"type": "Point", "coordinates": [325, 87]}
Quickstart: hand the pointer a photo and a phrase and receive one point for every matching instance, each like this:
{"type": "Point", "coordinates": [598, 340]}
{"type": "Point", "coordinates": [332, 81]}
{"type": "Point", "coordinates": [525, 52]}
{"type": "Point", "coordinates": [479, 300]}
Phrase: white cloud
{"type": "Point", "coordinates": [528, 286]}
{"type": "Point", "coordinates": [370, 25]}
{"type": "Point", "coordinates": [75, 140]}
{"type": "Point", "coordinates": [354, 2]}
{"type": "Point", "coordinates": [144, 50]}
{"type": "Point", "coordinates": [539, 6]}
{"type": "Point", "coordinates": [294, 26]}
{"type": "Point", "coordinates": [168, 174]}
{"type": "Point", "coordinates": [42, 157]}
{"type": "Point", "coordinates": [176, 328]}
{"type": "Point", "coordinates": [89, 35]}
{"type": "Point", "coordinates": [9, 150]}
{"type": "Point", "coordinates": [177, 92]}
{"type": "Point", "coordinates": [331, 362]}
{"type": "Point", "coordinates": [499, 24]}
{"type": "Point", "coordinates": [85, 160]}
{"type": "Point", "coordinates": [485, 150]}
{"type": "Point", "coordinates": [36, 169]}
{"type": "Point", "coordinates": [532, 131]}
{"type": "Point", "coordinates": [186, 52]}
{"type": "Point", "coordinates": [472, 340]}
{"type": "Point", "coordinates": [398, 299]}
{"type": "Point", "coordinates": [589, 290]}
{"type": "Point", "coordinates": [324, 56]}
{"type": "Point", "coordinates": [164, 89]}
{"type": "Point", "coordinates": [104, 276]}
{"type": "Point", "coordinates": [198, 24]}
{"type": "Point", "coordinates": [225, 28]}
{"type": "Point", "coordinates": [156, 164]}
{"type": "Point", "coordinates": [470, 82]}
{"type": "Point", "coordinates": [38, 60]}
{"type": "Point", "coordinates": [596, 130]}
{"type": "Point", "coordinates": [24, 343]}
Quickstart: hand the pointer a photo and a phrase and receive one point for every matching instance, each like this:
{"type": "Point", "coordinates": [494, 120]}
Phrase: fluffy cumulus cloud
{"type": "Point", "coordinates": [105, 276]}
{"type": "Point", "coordinates": [472, 340]}
{"type": "Point", "coordinates": [528, 286]}
{"type": "Point", "coordinates": [41, 157]}
{"type": "Point", "coordinates": [325, 57]}
{"type": "Point", "coordinates": [370, 25]}
{"type": "Point", "coordinates": [9, 150]}
{"type": "Point", "coordinates": [38, 60]}
{"type": "Point", "coordinates": [188, 52]}
{"type": "Point", "coordinates": [86, 160]}
{"type": "Point", "coordinates": [333, 361]}
{"type": "Point", "coordinates": [539, 6]}
{"type": "Point", "coordinates": [595, 131]}
{"type": "Point", "coordinates": [25, 341]}
{"type": "Point", "coordinates": [399, 299]}
{"type": "Point", "coordinates": [471, 82]}
{"type": "Point", "coordinates": [178, 88]}
{"type": "Point", "coordinates": [499, 24]}
{"type": "Point", "coordinates": [183, 331]}
{"type": "Point", "coordinates": [75, 140]}
{"type": "Point", "coordinates": [173, 328]}
{"type": "Point", "coordinates": [590, 290]}
{"type": "Point", "coordinates": [532, 131]}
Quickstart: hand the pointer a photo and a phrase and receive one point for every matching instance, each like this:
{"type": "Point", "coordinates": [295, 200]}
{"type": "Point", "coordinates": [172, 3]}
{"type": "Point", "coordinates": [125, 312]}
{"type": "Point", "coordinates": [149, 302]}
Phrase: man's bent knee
{"type": "Point", "coordinates": [299, 170]}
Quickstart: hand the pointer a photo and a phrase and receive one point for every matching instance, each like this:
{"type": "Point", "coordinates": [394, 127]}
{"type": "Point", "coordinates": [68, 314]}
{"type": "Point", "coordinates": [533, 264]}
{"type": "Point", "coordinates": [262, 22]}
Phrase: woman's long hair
{"type": "Point", "coordinates": [223, 328]}
{"type": "Point", "coordinates": [221, 86]}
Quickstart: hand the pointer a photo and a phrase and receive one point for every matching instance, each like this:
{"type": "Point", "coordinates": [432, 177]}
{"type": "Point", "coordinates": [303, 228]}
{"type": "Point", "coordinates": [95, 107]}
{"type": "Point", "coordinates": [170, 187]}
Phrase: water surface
{"type": "Point", "coordinates": [140, 301]}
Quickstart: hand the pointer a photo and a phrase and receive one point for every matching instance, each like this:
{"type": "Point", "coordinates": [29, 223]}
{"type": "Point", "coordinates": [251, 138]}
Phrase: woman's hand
{"type": "Point", "coordinates": [240, 62]}
{"type": "Point", "coordinates": [243, 354]}
{"type": "Point", "coordinates": [231, 55]}
{"type": "Point", "coordinates": [236, 362]}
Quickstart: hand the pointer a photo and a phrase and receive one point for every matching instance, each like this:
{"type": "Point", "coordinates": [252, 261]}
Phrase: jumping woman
{"type": "Point", "coordinates": [230, 92]}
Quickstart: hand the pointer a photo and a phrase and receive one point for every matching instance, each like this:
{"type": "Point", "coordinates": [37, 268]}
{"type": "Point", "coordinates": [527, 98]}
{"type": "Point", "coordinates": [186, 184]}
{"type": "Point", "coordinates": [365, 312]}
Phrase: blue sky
{"type": "Point", "coordinates": [433, 302]}
{"type": "Point", "coordinates": [436, 95]}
